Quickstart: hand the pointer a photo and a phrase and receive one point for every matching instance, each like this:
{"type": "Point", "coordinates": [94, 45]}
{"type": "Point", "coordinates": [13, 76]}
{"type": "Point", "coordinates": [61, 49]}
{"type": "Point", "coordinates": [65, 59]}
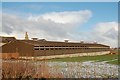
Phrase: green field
{"type": "Point", "coordinates": [110, 58]}
{"type": "Point", "coordinates": [113, 62]}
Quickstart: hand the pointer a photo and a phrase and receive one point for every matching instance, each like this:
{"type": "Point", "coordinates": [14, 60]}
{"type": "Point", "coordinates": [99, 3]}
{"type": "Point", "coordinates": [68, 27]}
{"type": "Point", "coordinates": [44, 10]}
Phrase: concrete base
{"type": "Point", "coordinates": [67, 55]}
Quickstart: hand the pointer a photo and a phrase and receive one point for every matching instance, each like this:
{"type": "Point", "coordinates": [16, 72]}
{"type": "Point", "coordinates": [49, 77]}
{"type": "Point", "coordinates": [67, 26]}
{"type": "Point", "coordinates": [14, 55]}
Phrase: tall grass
{"type": "Point", "coordinates": [26, 69]}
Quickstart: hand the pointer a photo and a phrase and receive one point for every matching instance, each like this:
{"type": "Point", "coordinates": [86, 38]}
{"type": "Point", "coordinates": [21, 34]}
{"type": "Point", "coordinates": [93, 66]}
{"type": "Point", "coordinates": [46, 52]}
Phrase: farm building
{"type": "Point", "coordinates": [35, 48]}
{"type": "Point", "coordinates": [7, 39]}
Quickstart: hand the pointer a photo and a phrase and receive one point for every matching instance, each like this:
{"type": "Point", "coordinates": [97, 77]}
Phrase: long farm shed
{"type": "Point", "coordinates": [31, 48]}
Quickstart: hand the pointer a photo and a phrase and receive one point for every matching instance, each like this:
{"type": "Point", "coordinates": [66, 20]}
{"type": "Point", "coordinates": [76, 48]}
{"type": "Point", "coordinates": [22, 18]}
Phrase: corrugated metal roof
{"type": "Point", "coordinates": [32, 42]}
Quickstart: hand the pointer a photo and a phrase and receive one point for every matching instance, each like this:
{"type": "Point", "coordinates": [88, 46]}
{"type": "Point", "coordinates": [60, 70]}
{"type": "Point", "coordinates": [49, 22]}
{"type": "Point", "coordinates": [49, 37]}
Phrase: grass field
{"type": "Point", "coordinates": [110, 58]}
{"type": "Point", "coordinates": [113, 62]}
{"type": "Point", "coordinates": [87, 58]}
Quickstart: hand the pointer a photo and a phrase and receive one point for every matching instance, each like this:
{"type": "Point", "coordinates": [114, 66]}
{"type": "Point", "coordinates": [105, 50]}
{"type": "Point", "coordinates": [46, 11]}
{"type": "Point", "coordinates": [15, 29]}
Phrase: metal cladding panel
{"type": "Point", "coordinates": [39, 53]}
{"type": "Point", "coordinates": [9, 51]}
{"type": "Point", "coordinates": [9, 47]}
{"type": "Point", "coordinates": [10, 55]}
{"type": "Point", "coordinates": [25, 49]}
{"type": "Point", "coordinates": [22, 48]}
{"type": "Point", "coordinates": [49, 52]}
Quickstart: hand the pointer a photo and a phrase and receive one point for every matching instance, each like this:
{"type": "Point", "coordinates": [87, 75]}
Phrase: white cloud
{"type": "Point", "coordinates": [60, 26]}
{"type": "Point", "coordinates": [66, 17]}
{"type": "Point", "coordinates": [107, 33]}
{"type": "Point", "coordinates": [107, 29]}
{"type": "Point", "coordinates": [52, 26]}
{"type": "Point", "coordinates": [106, 26]}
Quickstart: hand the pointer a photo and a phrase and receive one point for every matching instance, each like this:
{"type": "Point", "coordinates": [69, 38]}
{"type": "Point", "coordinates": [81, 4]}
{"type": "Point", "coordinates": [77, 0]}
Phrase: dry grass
{"type": "Point", "coordinates": [20, 69]}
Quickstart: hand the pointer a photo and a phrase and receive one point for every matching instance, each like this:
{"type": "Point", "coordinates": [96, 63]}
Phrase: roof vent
{"type": "Point", "coordinates": [34, 39]}
{"type": "Point", "coordinates": [42, 40]}
{"type": "Point", "coordinates": [81, 41]}
{"type": "Point", "coordinates": [66, 41]}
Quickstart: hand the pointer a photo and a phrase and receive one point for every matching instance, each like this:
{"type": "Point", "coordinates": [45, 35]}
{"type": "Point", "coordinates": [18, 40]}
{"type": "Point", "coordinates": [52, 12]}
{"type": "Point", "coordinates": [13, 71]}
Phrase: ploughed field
{"type": "Point", "coordinates": [105, 66]}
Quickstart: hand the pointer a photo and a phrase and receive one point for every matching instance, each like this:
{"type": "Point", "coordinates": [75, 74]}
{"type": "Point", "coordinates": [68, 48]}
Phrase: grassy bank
{"type": "Point", "coordinates": [113, 62]}
{"type": "Point", "coordinates": [89, 58]}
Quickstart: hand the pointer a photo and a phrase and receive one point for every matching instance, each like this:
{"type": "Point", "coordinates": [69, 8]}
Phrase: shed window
{"type": "Point", "coordinates": [47, 48]}
{"type": "Point", "coordinates": [56, 48]}
{"type": "Point", "coordinates": [51, 49]}
{"type": "Point", "coordinates": [36, 49]}
{"type": "Point", "coordinates": [41, 46]}
{"type": "Point", "coordinates": [36, 46]}
{"type": "Point", "coordinates": [42, 49]}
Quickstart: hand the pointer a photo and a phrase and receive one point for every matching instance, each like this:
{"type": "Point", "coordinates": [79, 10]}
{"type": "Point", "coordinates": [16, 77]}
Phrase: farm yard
{"type": "Point", "coordinates": [105, 66]}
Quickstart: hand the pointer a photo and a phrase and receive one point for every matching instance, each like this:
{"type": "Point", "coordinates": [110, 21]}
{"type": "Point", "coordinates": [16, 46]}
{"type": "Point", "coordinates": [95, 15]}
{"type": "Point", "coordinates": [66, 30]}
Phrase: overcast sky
{"type": "Point", "coordinates": [78, 21]}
